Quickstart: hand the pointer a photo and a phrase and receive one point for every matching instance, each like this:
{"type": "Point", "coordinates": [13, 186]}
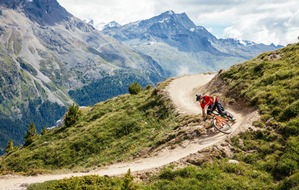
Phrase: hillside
{"type": "Point", "coordinates": [178, 144]}
{"type": "Point", "coordinates": [49, 59]}
{"type": "Point", "coordinates": [266, 156]}
{"type": "Point", "coordinates": [114, 130]}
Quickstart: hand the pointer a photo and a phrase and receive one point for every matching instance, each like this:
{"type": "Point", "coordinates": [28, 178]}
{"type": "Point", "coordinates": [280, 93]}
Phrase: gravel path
{"type": "Point", "coordinates": [181, 91]}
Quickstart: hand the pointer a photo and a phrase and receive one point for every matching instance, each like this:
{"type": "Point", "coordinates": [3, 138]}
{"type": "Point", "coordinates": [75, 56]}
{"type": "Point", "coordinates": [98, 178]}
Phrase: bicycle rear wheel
{"type": "Point", "coordinates": [222, 126]}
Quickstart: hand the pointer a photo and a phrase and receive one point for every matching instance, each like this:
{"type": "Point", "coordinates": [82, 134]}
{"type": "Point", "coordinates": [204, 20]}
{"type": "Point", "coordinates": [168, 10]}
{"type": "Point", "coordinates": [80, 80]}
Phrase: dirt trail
{"type": "Point", "coordinates": [181, 91]}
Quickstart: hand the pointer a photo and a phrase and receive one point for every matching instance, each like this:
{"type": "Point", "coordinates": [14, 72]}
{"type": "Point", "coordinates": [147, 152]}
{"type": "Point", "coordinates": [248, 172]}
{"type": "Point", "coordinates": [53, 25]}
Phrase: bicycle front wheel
{"type": "Point", "coordinates": [222, 126]}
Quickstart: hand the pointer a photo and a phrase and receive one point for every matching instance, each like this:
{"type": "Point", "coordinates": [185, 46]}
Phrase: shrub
{"type": "Point", "coordinates": [148, 87]}
{"type": "Point", "coordinates": [288, 162]}
{"type": "Point", "coordinates": [10, 146]}
{"type": "Point", "coordinates": [291, 128]}
{"type": "Point", "coordinates": [285, 166]}
{"type": "Point", "coordinates": [135, 88]}
{"type": "Point", "coordinates": [291, 111]}
{"type": "Point", "coordinates": [291, 182]}
{"type": "Point", "coordinates": [85, 182]}
{"type": "Point", "coordinates": [259, 124]}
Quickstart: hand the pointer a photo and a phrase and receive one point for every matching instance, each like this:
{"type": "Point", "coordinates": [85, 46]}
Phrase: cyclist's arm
{"type": "Point", "coordinates": [204, 112]}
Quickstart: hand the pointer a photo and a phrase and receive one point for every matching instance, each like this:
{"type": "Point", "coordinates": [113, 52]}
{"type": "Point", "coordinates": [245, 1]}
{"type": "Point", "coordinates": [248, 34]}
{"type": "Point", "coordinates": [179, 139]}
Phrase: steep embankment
{"type": "Point", "coordinates": [181, 91]}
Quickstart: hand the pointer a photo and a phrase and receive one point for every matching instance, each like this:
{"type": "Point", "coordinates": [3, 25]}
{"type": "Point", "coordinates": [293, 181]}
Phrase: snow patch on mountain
{"type": "Point", "coordinates": [113, 24]}
{"type": "Point", "coordinates": [164, 20]}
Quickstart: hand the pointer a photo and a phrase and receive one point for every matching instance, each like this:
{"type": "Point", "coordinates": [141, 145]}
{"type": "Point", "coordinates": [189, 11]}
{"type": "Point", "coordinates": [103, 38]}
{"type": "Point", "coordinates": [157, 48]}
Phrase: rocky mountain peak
{"type": "Point", "coordinates": [182, 19]}
{"type": "Point", "coordinates": [112, 24]}
{"type": "Point", "coordinates": [41, 11]}
{"type": "Point", "coordinates": [174, 29]}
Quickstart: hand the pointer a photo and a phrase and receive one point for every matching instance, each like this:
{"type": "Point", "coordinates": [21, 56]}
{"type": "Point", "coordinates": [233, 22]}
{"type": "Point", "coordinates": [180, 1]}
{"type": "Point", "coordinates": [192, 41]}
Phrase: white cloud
{"type": "Point", "coordinates": [112, 10]}
{"type": "Point", "coordinates": [271, 23]}
{"type": "Point", "coordinates": [262, 21]}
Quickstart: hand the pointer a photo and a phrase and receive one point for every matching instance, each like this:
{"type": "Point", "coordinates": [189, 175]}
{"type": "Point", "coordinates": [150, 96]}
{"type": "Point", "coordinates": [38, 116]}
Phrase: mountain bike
{"type": "Point", "coordinates": [222, 123]}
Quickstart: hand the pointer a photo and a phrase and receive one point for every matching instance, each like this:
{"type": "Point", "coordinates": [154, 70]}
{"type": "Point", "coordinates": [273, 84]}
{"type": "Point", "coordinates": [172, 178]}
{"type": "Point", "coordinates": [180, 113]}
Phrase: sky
{"type": "Point", "coordinates": [260, 21]}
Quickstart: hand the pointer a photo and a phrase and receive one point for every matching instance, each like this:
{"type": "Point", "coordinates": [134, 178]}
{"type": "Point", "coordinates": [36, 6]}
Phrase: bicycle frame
{"type": "Point", "coordinates": [220, 120]}
{"type": "Point", "coordinates": [221, 123]}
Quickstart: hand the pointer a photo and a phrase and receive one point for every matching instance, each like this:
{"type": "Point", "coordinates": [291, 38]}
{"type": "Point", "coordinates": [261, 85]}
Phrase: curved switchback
{"type": "Point", "coordinates": [182, 92]}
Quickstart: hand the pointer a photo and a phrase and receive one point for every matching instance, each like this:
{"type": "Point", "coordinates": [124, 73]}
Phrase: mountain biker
{"type": "Point", "coordinates": [211, 103]}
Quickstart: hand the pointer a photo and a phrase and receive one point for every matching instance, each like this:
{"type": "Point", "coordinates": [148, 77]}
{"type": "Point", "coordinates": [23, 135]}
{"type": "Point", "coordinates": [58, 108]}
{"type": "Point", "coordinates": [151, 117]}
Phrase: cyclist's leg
{"type": "Point", "coordinates": [223, 112]}
{"type": "Point", "coordinates": [220, 108]}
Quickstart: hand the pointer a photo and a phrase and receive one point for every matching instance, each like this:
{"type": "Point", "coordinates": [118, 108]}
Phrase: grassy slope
{"type": "Point", "coordinates": [269, 157]}
{"type": "Point", "coordinates": [110, 131]}
{"type": "Point", "coordinates": [271, 82]}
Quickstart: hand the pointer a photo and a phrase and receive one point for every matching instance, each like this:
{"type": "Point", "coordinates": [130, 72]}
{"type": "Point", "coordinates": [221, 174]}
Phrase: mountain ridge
{"type": "Point", "coordinates": [43, 60]}
{"type": "Point", "coordinates": [176, 42]}
{"type": "Point", "coordinates": [44, 12]}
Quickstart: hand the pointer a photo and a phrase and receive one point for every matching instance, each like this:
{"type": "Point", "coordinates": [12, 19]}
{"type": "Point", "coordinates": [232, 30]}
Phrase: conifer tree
{"type": "Point", "coordinates": [31, 134]}
{"type": "Point", "coordinates": [134, 88]}
{"type": "Point", "coordinates": [128, 182]}
{"type": "Point", "coordinates": [44, 131]}
{"type": "Point", "coordinates": [10, 146]}
{"type": "Point", "coordinates": [72, 116]}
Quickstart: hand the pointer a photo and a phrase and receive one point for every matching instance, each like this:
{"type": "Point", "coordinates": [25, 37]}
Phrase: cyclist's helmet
{"type": "Point", "coordinates": [198, 97]}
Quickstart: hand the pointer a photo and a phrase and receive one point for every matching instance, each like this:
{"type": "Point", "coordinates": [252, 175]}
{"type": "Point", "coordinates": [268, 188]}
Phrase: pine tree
{"type": "Point", "coordinates": [44, 131]}
{"type": "Point", "coordinates": [31, 134]}
{"type": "Point", "coordinates": [72, 116]}
{"type": "Point", "coordinates": [128, 182]}
{"type": "Point", "coordinates": [10, 146]}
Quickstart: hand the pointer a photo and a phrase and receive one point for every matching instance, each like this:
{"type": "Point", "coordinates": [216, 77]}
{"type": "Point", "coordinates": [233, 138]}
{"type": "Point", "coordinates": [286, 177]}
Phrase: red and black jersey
{"type": "Point", "coordinates": [208, 100]}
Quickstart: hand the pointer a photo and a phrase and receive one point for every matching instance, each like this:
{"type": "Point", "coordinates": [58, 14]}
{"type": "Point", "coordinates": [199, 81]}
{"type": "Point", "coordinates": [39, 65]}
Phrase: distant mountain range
{"type": "Point", "coordinates": [180, 46]}
{"type": "Point", "coordinates": [50, 59]}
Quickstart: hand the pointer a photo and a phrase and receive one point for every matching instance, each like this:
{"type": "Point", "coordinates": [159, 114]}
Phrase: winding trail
{"type": "Point", "coordinates": [181, 91]}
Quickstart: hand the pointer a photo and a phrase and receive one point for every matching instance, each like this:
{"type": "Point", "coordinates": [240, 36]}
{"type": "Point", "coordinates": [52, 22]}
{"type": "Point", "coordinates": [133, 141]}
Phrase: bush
{"type": "Point", "coordinates": [285, 167]}
{"type": "Point", "coordinates": [288, 162]}
{"type": "Point", "coordinates": [85, 182]}
{"type": "Point", "coordinates": [135, 88]}
{"type": "Point", "coordinates": [291, 111]}
{"type": "Point", "coordinates": [291, 129]}
{"type": "Point", "coordinates": [259, 124]}
{"type": "Point", "coordinates": [10, 146]}
{"type": "Point", "coordinates": [291, 182]}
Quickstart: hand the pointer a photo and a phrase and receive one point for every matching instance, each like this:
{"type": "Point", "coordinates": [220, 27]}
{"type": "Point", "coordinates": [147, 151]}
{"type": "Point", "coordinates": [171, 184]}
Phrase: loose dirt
{"type": "Point", "coordinates": [182, 92]}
